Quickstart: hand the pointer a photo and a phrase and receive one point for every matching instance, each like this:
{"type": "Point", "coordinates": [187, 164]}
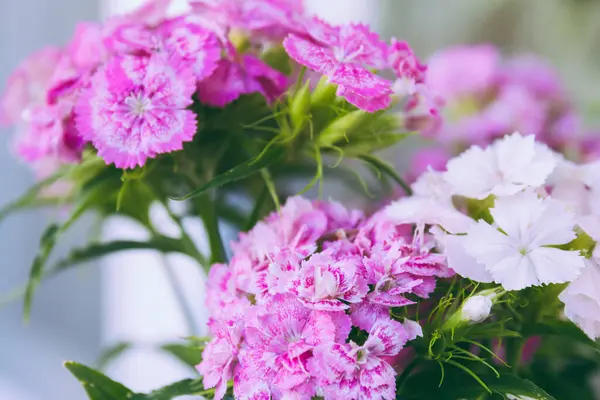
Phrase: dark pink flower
{"type": "Point", "coordinates": [245, 75]}
{"type": "Point", "coordinates": [346, 55]}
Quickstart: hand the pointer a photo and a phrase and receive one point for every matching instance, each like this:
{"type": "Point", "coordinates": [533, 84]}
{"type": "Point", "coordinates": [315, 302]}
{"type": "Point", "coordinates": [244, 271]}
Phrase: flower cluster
{"type": "Point", "coordinates": [482, 98]}
{"type": "Point", "coordinates": [126, 87]}
{"type": "Point", "coordinates": [288, 310]}
{"type": "Point", "coordinates": [517, 214]}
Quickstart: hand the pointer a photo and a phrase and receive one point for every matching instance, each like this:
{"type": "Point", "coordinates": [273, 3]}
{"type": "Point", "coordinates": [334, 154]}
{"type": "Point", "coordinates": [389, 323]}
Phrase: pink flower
{"type": "Point", "coordinates": [409, 70]}
{"type": "Point", "coordinates": [193, 44]}
{"type": "Point", "coordinates": [27, 86]}
{"type": "Point", "coordinates": [270, 18]}
{"type": "Point", "coordinates": [364, 315]}
{"type": "Point", "coordinates": [280, 274]}
{"type": "Point", "coordinates": [49, 132]}
{"type": "Point", "coordinates": [345, 55]}
{"type": "Point", "coordinates": [246, 75]}
{"type": "Point", "coordinates": [327, 281]}
{"type": "Point", "coordinates": [297, 226]}
{"type": "Point", "coordinates": [223, 296]}
{"type": "Point", "coordinates": [351, 372]}
{"type": "Point", "coordinates": [279, 339]}
{"type": "Point", "coordinates": [400, 269]}
{"type": "Point", "coordinates": [463, 70]}
{"type": "Point", "coordinates": [219, 358]}
{"type": "Point", "coordinates": [136, 109]}
{"type": "Point", "coordinates": [423, 160]}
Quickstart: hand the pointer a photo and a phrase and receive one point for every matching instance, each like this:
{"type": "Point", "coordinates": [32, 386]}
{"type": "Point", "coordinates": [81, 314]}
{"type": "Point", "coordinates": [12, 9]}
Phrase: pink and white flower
{"type": "Point", "coordinates": [328, 282]}
{"type": "Point", "coordinates": [345, 55]}
{"type": "Point", "coordinates": [135, 109]}
{"type": "Point", "coordinates": [220, 356]}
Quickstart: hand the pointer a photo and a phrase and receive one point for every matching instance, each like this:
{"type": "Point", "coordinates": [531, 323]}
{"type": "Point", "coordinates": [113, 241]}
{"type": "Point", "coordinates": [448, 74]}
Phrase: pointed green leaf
{"type": "Point", "coordinates": [111, 353]}
{"type": "Point", "coordinates": [162, 244]}
{"type": "Point", "coordinates": [94, 195]}
{"type": "Point", "coordinates": [29, 197]}
{"type": "Point", "coordinates": [564, 329]}
{"type": "Point", "coordinates": [387, 169]}
{"type": "Point", "coordinates": [47, 243]}
{"type": "Point", "coordinates": [97, 385]}
{"type": "Point", "coordinates": [250, 167]}
{"type": "Point", "coordinates": [181, 388]}
{"type": "Point", "coordinates": [189, 354]}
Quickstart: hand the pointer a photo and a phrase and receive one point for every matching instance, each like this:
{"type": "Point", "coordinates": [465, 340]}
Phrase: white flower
{"type": "Point", "coordinates": [518, 397]}
{"type": "Point", "coordinates": [515, 250]}
{"type": "Point", "coordinates": [582, 299]}
{"type": "Point", "coordinates": [506, 167]}
{"type": "Point", "coordinates": [427, 211]}
{"type": "Point", "coordinates": [432, 184]}
{"type": "Point", "coordinates": [577, 185]}
{"type": "Point", "coordinates": [453, 247]}
{"type": "Point", "coordinates": [476, 309]}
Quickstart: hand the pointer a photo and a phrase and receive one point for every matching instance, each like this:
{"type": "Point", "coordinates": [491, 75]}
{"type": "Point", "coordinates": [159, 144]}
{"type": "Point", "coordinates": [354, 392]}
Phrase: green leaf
{"type": "Point", "coordinates": [162, 244]}
{"type": "Point", "coordinates": [387, 169]}
{"type": "Point", "coordinates": [97, 385]}
{"type": "Point", "coordinates": [458, 384]}
{"type": "Point", "coordinates": [189, 354]}
{"type": "Point", "coordinates": [30, 196]}
{"type": "Point", "coordinates": [244, 170]}
{"type": "Point", "coordinates": [95, 194]}
{"type": "Point", "coordinates": [47, 243]}
{"type": "Point", "coordinates": [563, 329]}
{"type": "Point", "coordinates": [111, 353]}
{"type": "Point", "coordinates": [181, 388]}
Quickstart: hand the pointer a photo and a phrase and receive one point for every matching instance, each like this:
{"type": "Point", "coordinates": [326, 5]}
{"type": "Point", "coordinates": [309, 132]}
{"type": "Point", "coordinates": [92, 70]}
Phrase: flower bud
{"type": "Point", "coordinates": [476, 309]}
{"type": "Point", "coordinates": [341, 127]}
{"type": "Point", "coordinates": [300, 107]}
{"type": "Point", "coordinates": [324, 93]}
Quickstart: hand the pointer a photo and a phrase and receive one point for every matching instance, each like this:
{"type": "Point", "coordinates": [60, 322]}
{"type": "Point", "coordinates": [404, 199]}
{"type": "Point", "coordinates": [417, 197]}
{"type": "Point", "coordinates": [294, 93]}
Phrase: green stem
{"type": "Point", "coordinates": [208, 214]}
{"type": "Point", "coordinates": [177, 289]}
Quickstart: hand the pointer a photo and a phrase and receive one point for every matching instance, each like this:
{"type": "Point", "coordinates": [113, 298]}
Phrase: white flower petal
{"type": "Point", "coordinates": [461, 262]}
{"type": "Point", "coordinates": [555, 265]}
{"type": "Point", "coordinates": [582, 299]}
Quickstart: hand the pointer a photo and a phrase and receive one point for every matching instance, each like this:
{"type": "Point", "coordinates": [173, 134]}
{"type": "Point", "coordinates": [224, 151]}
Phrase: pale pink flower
{"type": "Point", "coordinates": [222, 292]}
{"type": "Point", "coordinates": [280, 275]}
{"type": "Point", "coordinates": [279, 339]}
{"type": "Point", "coordinates": [246, 74]}
{"type": "Point", "coordinates": [365, 314]}
{"type": "Point", "coordinates": [220, 356]}
{"type": "Point", "coordinates": [401, 269]}
{"type": "Point", "coordinates": [463, 71]}
{"type": "Point", "coordinates": [136, 109]}
{"type": "Point", "coordinates": [49, 132]}
{"type": "Point", "coordinates": [298, 225]}
{"type": "Point", "coordinates": [327, 281]}
{"type": "Point", "coordinates": [348, 371]}
{"type": "Point", "coordinates": [345, 54]}
{"type": "Point", "coordinates": [27, 86]}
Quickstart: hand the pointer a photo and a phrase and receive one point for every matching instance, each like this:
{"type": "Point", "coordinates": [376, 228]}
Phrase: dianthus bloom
{"type": "Point", "coordinates": [482, 97]}
{"type": "Point", "coordinates": [299, 281]}
{"type": "Point", "coordinates": [493, 218]}
{"type": "Point", "coordinates": [136, 108]}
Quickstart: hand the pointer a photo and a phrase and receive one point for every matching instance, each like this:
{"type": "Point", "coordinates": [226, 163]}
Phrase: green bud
{"type": "Point", "coordinates": [300, 107]}
{"type": "Point", "coordinates": [342, 127]}
{"type": "Point", "coordinates": [324, 93]}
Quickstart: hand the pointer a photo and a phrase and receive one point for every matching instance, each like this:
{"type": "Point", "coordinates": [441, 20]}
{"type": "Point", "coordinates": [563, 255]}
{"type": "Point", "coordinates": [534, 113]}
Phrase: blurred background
{"type": "Point", "coordinates": [126, 298]}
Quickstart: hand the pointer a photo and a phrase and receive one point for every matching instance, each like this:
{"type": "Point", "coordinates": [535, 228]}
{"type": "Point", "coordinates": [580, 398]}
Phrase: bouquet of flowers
{"type": "Point", "coordinates": [478, 280]}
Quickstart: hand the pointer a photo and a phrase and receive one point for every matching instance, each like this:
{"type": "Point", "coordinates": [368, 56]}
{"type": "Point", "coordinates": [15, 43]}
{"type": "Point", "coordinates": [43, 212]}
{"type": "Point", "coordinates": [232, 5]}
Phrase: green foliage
{"type": "Point", "coordinates": [188, 353]}
{"type": "Point", "coordinates": [100, 387]}
{"type": "Point", "coordinates": [112, 353]}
